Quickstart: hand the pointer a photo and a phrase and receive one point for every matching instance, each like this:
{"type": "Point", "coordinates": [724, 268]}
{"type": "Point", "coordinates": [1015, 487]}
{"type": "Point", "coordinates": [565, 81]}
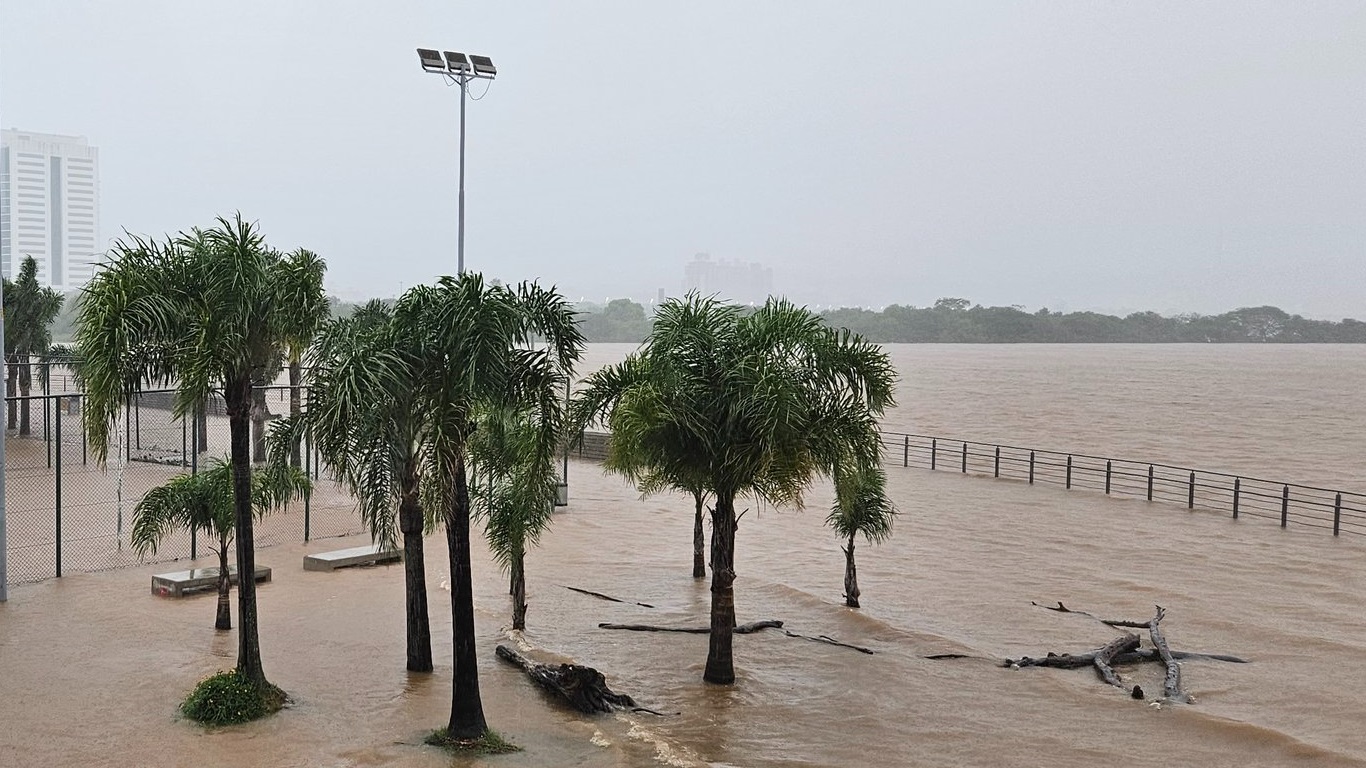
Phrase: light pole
{"type": "Point", "coordinates": [458, 69]}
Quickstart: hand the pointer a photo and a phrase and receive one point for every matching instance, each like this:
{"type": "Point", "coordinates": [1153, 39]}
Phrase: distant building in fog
{"type": "Point", "coordinates": [49, 206]}
{"type": "Point", "coordinates": [733, 280]}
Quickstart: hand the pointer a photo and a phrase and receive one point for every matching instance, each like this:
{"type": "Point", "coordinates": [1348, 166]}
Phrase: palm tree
{"type": "Point", "coordinates": [861, 506]}
{"type": "Point", "coordinates": [303, 290]}
{"type": "Point", "coordinates": [755, 404]}
{"type": "Point", "coordinates": [204, 310]}
{"type": "Point", "coordinates": [514, 491]}
{"type": "Point", "coordinates": [204, 501]}
{"type": "Point", "coordinates": [30, 309]}
{"type": "Point", "coordinates": [472, 342]}
{"type": "Point", "coordinates": [364, 418]}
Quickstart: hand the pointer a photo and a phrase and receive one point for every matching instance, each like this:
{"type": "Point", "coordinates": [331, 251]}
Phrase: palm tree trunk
{"type": "Point", "coordinates": [699, 542]}
{"type": "Point", "coordinates": [201, 415]}
{"type": "Point", "coordinates": [720, 664]}
{"type": "Point", "coordinates": [467, 709]}
{"type": "Point", "coordinates": [224, 620]}
{"type": "Point", "coordinates": [12, 387]}
{"type": "Point", "coordinates": [851, 592]}
{"type": "Point", "coordinates": [258, 425]}
{"type": "Point", "coordinates": [414, 577]}
{"type": "Point", "coordinates": [519, 591]}
{"type": "Point", "coordinates": [295, 455]}
{"type": "Point", "coordinates": [237, 394]}
{"type": "Point", "coordinates": [25, 387]}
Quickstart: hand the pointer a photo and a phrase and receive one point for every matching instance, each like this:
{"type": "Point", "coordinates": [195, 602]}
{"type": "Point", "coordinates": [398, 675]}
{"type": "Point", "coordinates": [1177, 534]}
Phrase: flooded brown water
{"type": "Point", "coordinates": [91, 666]}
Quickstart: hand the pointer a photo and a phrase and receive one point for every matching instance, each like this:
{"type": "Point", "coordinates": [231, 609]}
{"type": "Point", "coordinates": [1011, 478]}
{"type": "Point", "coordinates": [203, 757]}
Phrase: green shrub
{"type": "Point", "coordinates": [488, 744]}
{"type": "Point", "coordinates": [228, 697]}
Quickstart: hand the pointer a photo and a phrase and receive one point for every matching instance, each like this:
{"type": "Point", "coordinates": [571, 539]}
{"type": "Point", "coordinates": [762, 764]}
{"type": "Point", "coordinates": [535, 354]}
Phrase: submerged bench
{"type": "Point", "coordinates": [180, 583]}
{"type": "Point", "coordinates": [344, 558]}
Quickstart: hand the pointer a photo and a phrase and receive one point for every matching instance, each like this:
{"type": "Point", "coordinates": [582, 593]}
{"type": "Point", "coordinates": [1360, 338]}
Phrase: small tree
{"type": "Point", "coordinates": [30, 309]}
{"type": "Point", "coordinates": [861, 506]}
{"type": "Point", "coordinates": [514, 491]}
{"type": "Point", "coordinates": [204, 501]}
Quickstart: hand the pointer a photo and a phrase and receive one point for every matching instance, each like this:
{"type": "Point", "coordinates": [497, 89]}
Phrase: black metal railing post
{"type": "Point", "coordinates": [906, 452]}
{"type": "Point", "coordinates": [1107, 477]}
{"type": "Point", "coordinates": [996, 467]}
{"type": "Point", "coordinates": [1031, 467]}
{"type": "Point", "coordinates": [1285, 504]}
{"type": "Point", "coordinates": [934, 451]}
{"type": "Point", "coordinates": [1337, 514]}
{"type": "Point", "coordinates": [1069, 472]}
{"type": "Point", "coordinates": [1190, 497]}
{"type": "Point", "coordinates": [1150, 482]}
{"type": "Point", "coordinates": [1237, 489]}
{"type": "Point", "coordinates": [965, 457]}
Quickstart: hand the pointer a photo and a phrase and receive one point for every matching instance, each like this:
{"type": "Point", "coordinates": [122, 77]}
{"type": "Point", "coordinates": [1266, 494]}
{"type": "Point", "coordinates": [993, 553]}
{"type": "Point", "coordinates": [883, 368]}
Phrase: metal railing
{"type": "Point", "coordinates": [1342, 512]}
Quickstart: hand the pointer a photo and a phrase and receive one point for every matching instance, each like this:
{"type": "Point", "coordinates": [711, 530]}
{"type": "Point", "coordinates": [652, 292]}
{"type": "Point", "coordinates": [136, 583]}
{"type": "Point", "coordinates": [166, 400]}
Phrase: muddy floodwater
{"type": "Point", "coordinates": [92, 665]}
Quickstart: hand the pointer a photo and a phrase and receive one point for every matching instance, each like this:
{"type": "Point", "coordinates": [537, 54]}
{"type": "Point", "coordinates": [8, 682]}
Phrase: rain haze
{"type": "Point", "coordinates": [1092, 155]}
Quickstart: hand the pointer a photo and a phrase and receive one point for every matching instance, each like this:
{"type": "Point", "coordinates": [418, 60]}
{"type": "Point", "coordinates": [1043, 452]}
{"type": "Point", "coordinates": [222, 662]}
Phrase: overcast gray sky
{"type": "Point", "coordinates": [1116, 156]}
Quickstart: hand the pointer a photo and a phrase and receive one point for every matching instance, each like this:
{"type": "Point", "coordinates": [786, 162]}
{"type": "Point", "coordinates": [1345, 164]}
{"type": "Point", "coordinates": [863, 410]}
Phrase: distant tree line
{"type": "Point", "coordinates": [956, 320]}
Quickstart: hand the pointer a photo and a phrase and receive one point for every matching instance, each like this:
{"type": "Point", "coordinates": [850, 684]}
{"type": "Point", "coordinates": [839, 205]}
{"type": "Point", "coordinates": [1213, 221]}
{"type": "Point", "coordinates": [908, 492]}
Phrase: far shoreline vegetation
{"type": "Point", "coordinates": [958, 321]}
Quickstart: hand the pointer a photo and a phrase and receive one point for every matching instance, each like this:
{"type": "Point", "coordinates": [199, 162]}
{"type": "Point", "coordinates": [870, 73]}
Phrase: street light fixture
{"type": "Point", "coordinates": [458, 69]}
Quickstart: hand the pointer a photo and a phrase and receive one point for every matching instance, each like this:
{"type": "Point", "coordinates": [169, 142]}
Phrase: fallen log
{"type": "Point", "coordinates": [1079, 660]}
{"type": "Point", "coordinates": [1108, 622]}
{"type": "Point", "coordinates": [584, 688]}
{"type": "Point", "coordinates": [601, 596]}
{"type": "Point", "coordinates": [1171, 685]}
{"type": "Point", "coordinates": [829, 641]}
{"type": "Point", "coordinates": [743, 629]}
{"type": "Point", "coordinates": [1107, 654]}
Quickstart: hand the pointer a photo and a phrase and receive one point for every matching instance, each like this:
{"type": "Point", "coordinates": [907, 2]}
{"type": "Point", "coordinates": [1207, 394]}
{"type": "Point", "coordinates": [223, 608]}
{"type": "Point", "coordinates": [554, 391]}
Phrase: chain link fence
{"type": "Point", "coordinates": [66, 511]}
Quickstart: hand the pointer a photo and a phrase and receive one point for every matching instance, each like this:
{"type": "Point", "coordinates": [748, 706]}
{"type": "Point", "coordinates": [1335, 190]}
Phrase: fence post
{"type": "Point", "coordinates": [57, 497]}
{"type": "Point", "coordinates": [965, 457]}
{"type": "Point", "coordinates": [1285, 504]}
{"type": "Point", "coordinates": [84, 447]}
{"type": "Point", "coordinates": [906, 452]}
{"type": "Point", "coordinates": [137, 418]}
{"type": "Point", "coordinates": [1190, 497]}
{"type": "Point", "coordinates": [1107, 477]}
{"type": "Point", "coordinates": [1337, 513]}
{"type": "Point", "coordinates": [1237, 489]}
{"type": "Point", "coordinates": [996, 469]}
{"type": "Point", "coordinates": [308, 494]}
{"type": "Point", "coordinates": [1069, 472]}
{"type": "Point", "coordinates": [934, 451]}
{"type": "Point", "coordinates": [1031, 467]}
{"type": "Point", "coordinates": [1150, 482]}
{"type": "Point", "coordinates": [47, 417]}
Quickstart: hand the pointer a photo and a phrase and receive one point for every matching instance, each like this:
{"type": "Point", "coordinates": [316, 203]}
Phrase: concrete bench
{"type": "Point", "coordinates": [343, 558]}
{"type": "Point", "coordinates": [182, 583]}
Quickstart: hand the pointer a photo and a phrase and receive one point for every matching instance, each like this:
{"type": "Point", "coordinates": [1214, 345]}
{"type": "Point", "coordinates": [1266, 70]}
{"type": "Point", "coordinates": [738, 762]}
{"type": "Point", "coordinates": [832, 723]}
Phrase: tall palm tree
{"type": "Point", "coordinates": [861, 506]}
{"type": "Point", "coordinates": [303, 288]}
{"type": "Point", "coordinates": [204, 501]}
{"type": "Point", "coordinates": [514, 491]}
{"type": "Point", "coordinates": [204, 310]}
{"type": "Point", "coordinates": [756, 404]}
{"type": "Point", "coordinates": [367, 424]}
{"type": "Point", "coordinates": [473, 352]}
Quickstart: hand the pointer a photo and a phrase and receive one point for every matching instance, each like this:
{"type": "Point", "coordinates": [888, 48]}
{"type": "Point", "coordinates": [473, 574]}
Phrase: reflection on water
{"type": "Point", "coordinates": [968, 557]}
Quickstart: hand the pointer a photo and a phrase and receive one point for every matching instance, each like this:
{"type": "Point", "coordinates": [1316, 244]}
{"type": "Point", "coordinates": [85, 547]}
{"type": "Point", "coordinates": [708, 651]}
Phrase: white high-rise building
{"type": "Point", "coordinates": [49, 206]}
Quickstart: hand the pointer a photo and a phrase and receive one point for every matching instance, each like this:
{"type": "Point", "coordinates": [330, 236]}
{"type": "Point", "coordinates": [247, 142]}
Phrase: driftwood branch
{"type": "Point", "coordinates": [1060, 608]}
{"type": "Point", "coordinates": [1106, 656]}
{"type": "Point", "coordinates": [743, 629]}
{"type": "Point", "coordinates": [1171, 685]}
{"type": "Point", "coordinates": [1079, 660]}
{"type": "Point", "coordinates": [601, 596]}
{"type": "Point", "coordinates": [584, 688]}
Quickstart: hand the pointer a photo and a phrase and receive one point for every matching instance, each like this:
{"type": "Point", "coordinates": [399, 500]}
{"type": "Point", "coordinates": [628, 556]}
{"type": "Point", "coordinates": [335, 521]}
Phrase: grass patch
{"type": "Point", "coordinates": [488, 744]}
{"type": "Point", "coordinates": [228, 698]}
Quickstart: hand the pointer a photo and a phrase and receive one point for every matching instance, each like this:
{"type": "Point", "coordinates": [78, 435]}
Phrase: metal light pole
{"type": "Point", "coordinates": [459, 69]}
